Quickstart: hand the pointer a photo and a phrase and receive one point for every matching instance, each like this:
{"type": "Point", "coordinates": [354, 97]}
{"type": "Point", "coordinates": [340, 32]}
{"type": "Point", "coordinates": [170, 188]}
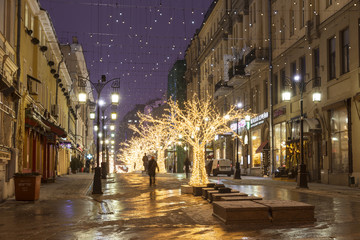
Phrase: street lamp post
{"type": "Point", "coordinates": [301, 83]}
{"type": "Point", "coordinates": [237, 174]}
{"type": "Point", "coordinates": [97, 188]}
{"type": "Point", "coordinates": [105, 166]}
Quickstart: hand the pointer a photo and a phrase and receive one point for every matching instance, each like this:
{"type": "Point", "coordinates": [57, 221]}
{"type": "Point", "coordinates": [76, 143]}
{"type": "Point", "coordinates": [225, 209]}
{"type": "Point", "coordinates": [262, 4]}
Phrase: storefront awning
{"type": "Point", "coordinates": [262, 146]}
{"type": "Point", "coordinates": [56, 129]}
{"type": "Point", "coordinates": [34, 122]}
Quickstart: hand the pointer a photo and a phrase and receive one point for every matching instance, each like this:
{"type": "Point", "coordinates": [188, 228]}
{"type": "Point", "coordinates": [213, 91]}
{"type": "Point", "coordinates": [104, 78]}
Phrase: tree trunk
{"type": "Point", "coordinates": [161, 160]}
{"type": "Point", "coordinates": [199, 176]}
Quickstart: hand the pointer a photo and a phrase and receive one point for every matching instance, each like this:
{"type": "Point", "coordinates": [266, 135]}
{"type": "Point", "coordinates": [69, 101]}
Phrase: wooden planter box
{"type": "Point", "coordinates": [27, 188]}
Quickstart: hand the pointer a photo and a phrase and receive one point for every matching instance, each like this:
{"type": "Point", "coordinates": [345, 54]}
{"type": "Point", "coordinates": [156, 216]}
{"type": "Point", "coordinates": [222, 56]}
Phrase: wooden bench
{"type": "Point", "coordinates": [241, 212]}
{"type": "Point", "coordinates": [186, 189]}
{"type": "Point", "coordinates": [210, 193]}
{"type": "Point", "coordinates": [239, 198]}
{"type": "Point", "coordinates": [289, 211]}
{"type": "Point", "coordinates": [197, 190]}
{"type": "Point", "coordinates": [219, 196]}
{"type": "Point", "coordinates": [205, 192]}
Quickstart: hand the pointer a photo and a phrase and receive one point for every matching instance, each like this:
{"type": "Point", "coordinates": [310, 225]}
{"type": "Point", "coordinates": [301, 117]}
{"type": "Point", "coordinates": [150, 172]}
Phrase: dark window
{"type": "Point", "coordinates": [292, 22]}
{"type": "Point", "coordinates": [266, 92]}
{"type": "Point", "coordinates": [292, 76]}
{"type": "Point", "coordinates": [302, 22]}
{"type": "Point", "coordinates": [282, 30]}
{"type": "Point", "coordinates": [275, 89]}
{"type": "Point", "coordinates": [331, 57]}
{"type": "Point", "coordinates": [345, 43]}
{"type": "Point", "coordinates": [283, 82]}
{"type": "Point", "coordinates": [316, 68]}
{"type": "Point", "coordinates": [255, 13]}
{"type": "Point", "coordinates": [302, 63]}
{"type": "Point", "coordinates": [329, 3]}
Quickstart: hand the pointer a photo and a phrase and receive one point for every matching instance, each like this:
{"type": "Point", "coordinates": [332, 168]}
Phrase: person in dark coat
{"type": "Point", "coordinates": [187, 164]}
{"type": "Point", "coordinates": [145, 162]}
{"type": "Point", "coordinates": [151, 170]}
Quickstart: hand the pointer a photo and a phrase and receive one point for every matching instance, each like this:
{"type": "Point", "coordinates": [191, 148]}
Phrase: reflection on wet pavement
{"type": "Point", "coordinates": [130, 209]}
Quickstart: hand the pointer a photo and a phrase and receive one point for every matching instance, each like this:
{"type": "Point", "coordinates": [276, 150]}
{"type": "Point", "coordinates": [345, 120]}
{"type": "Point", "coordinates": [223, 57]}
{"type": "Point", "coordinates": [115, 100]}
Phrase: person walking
{"type": "Point", "coordinates": [151, 170]}
{"type": "Point", "coordinates": [145, 162]}
{"type": "Point", "coordinates": [187, 164]}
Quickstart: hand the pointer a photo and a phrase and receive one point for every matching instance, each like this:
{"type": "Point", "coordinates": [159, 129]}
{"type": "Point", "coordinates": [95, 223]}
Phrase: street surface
{"type": "Point", "coordinates": [130, 209]}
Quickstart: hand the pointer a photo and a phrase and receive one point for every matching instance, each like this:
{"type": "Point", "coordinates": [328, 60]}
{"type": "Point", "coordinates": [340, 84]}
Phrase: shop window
{"type": "Point", "coordinates": [339, 140]}
{"type": "Point", "coordinates": [331, 58]}
{"type": "Point", "coordinates": [255, 143]}
{"type": "Point", "coordinates": [345, 56]}
{"type": "Point", "coordinates": [280, 145]}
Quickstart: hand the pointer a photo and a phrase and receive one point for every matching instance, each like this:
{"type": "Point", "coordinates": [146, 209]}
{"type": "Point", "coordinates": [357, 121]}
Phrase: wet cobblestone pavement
{"type": "Point", "coordinates": [130, 209]}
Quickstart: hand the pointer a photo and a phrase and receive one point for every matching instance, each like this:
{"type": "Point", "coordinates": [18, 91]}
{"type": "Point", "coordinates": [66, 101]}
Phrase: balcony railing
{"type": "Point", "coordinates": [239, 70]}
{"type": "Point", "coordinates": [222, 88]}
{"type": "Point", "coordinates": [257, 54]}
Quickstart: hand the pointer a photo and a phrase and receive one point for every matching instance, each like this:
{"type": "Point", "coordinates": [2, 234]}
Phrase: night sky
{"type": "Point", "coordinates": [136, 40]}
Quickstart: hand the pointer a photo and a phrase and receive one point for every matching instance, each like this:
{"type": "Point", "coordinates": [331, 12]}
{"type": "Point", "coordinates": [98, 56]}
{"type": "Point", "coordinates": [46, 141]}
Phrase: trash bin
{"type": "Point", "coordinates": [351, 180]}
{"type": "Point", "coordinates": [27, 187]}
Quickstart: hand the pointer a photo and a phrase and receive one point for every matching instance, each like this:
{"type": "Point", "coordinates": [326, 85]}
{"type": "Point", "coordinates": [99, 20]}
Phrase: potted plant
{"type": "Point", "coordinates": [27, 186]}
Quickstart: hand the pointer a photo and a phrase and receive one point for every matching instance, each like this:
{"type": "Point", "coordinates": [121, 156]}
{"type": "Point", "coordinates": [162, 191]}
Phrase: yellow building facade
{"type": "Point", "coordinates": [318, 41]}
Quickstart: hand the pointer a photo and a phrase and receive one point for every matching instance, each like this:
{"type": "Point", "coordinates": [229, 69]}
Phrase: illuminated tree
{"type": "Point", "coordinates": [132, 153]}
{"type": "Point", "coordinates": [197, 125]}
{"type": "Point", "coordinates": [157, 136]}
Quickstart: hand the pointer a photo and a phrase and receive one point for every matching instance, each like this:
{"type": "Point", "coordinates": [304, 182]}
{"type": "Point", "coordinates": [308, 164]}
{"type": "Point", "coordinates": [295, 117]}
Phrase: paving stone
{"type": "Point", "coordinates": [289, 211]}
{"type": "Point", "coordinates": [239, 198]}
{"type": "Point", "coordinates": [186, 189]}
{"type": "Point", "coordinates": [241, 212]}
{"type": "Point", "coordinates": [219, 196]}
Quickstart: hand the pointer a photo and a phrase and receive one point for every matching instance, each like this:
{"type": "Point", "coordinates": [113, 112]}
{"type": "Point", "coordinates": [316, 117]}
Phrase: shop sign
{"type": "Point", "coordinates": [65, 145]}
{"type": "Point", "coordinates": [259, 119]}
{"type": "Point", "coordinates": [241, 124]}
{"type": "Point", "coordinates": [280, 111]}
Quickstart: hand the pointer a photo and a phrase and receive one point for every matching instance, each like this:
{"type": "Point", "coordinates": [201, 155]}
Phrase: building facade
{"type": "Point", "coordinates": [9, 98]}
{"type": "Point", "coordinates": [237, 58]}
{"type": "Point", "coordinates": [82, 135]}
{"type": "Point", "coordinates": [35, 96]}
